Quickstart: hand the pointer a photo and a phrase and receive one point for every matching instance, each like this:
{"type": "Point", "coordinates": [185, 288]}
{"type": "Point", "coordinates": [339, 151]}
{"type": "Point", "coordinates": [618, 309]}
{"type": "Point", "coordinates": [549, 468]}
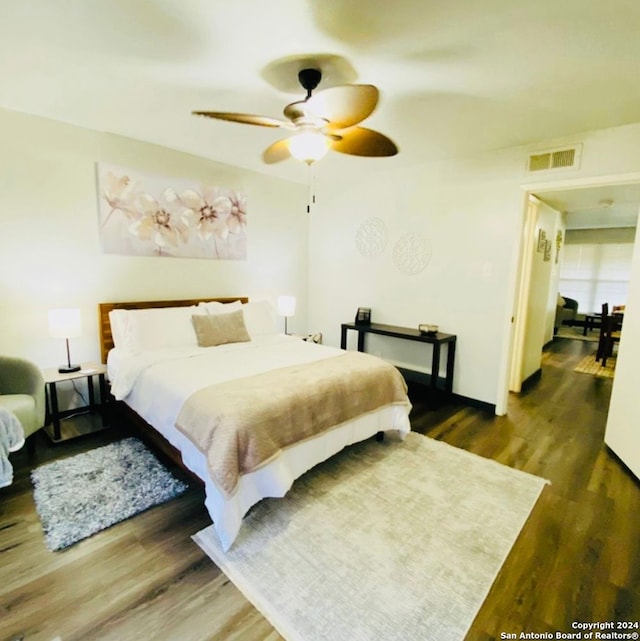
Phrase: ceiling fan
{"type": "Point", "coordinates": [326, 120]}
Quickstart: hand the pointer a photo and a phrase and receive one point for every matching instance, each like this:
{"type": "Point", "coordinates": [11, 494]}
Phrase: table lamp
{"type": "Point", "coordinates": [286, 306]}
{"type": "Point", "coordinates": [65, 323]}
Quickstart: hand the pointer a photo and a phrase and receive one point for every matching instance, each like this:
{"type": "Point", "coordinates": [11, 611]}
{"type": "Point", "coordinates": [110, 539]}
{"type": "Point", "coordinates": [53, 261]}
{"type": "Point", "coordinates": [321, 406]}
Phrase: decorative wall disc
{"type": "Point", "coordinates": [411, 254]}
{"type": "Point", "coordinates": [372, 237]}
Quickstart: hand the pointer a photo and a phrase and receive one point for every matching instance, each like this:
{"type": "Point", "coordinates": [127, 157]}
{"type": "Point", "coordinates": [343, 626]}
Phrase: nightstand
{"type": "Point", "coordinates": [54, 417]}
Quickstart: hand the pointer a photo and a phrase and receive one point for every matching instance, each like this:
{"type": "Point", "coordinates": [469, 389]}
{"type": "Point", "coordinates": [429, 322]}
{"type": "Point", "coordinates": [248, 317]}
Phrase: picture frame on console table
{"type": "Point", "coordinates": [363, 316]}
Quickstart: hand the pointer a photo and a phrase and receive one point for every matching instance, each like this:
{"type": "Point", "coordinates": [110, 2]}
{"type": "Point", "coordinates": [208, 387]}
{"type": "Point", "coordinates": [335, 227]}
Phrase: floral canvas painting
{"type": "Point", "coordinates": [148, 215]}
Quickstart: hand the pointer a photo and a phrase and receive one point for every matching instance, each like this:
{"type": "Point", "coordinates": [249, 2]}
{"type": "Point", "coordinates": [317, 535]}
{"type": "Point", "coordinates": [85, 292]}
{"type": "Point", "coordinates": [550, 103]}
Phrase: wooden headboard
{"type": "Point", "coordinates": [106, 339]}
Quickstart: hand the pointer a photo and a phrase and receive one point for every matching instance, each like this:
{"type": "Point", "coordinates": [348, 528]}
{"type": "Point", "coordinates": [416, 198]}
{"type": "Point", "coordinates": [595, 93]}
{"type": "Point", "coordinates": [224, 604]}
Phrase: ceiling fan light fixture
{"type": "Point", "coordinates": [325, 120]}
{"type": "Point", "coordinates": [309, 146]}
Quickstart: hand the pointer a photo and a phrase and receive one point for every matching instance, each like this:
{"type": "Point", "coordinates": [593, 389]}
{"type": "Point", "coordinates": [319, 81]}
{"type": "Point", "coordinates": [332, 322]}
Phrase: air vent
{"type": "Point", "coordinates": [554, 159]}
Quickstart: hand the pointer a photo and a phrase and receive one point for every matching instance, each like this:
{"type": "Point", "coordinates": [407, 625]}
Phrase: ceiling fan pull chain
{"type": "Point", "coordinates": [311, 188]}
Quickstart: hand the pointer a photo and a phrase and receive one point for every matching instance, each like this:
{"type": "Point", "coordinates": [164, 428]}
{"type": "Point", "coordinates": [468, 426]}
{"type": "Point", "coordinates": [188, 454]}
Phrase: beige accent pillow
{"type": "Point", "coordinates": [218, 329]}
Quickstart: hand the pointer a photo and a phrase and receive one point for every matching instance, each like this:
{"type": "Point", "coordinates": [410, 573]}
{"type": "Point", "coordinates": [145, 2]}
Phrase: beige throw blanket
{"type": "Point", "coordinates": [242, 424]}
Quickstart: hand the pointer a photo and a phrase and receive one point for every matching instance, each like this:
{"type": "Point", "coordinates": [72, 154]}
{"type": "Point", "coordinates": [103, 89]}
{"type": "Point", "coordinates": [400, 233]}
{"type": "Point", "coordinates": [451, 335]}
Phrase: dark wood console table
{"type": "Point", "coordinates": [407, 333]}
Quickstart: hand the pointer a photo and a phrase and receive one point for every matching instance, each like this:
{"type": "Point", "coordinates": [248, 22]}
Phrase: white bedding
{"type": "Point", "coordinates": [156, 384]}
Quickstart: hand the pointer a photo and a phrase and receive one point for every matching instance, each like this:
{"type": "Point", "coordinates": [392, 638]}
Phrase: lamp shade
{"type": "Point", "coordinates": [308, 146]}
{"type": "Point", "coordinates": [286, 306]}
{"type": "Point", "coordinates": [65, 323]}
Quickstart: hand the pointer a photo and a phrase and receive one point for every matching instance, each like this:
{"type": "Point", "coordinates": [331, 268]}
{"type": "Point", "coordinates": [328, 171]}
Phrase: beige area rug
{"type": "Point", "coordinates": [576, 333]}
{"type": "Point", "coordinates": [589, 365]}
{"type": "Point", "coordinates": [385, 541]}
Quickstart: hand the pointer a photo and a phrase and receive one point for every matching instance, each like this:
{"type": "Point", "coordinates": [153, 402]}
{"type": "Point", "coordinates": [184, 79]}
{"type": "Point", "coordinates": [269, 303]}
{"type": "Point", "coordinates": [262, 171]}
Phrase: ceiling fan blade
{"type": "Point", "coordinates": [246, 119]}
{"type": "Point", "coordinates": [359, 141]}
{"type": "Point", "coordinates": [277, 152]}
{"type": "Point", "coordinates": [343, 106]}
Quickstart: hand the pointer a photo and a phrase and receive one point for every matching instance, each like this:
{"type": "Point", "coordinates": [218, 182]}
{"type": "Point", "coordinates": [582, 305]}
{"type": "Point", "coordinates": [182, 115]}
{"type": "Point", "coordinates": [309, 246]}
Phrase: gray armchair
{"type": "Point", "coordinates": [566, 312]}
{"type": "Point", "coordinates": [22, 393]}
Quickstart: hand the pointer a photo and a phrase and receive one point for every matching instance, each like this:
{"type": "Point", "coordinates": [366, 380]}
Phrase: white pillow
{"type": "Point", "coordinates": [216, 307]}
{"type": "Point", "coordinates": [164, 327]}
{"type": "Point", "coordinates": [136, 330]}
{"type": "Point", "coordinates": [259, 318]}
{"type": "Point", "coordinates": [121, 330]}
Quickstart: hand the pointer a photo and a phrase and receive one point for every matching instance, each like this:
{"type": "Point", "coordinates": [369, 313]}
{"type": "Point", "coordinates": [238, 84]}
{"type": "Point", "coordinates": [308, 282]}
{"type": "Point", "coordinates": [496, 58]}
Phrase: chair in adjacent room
{"type": "Point", "coordinates": [22, 392]}
{"type": "Point", "coordinates": [618, 312]}
{"type": "Point", "coordinates": [566, 312]}
{"type": "Point", "coordinates": [609, 335]}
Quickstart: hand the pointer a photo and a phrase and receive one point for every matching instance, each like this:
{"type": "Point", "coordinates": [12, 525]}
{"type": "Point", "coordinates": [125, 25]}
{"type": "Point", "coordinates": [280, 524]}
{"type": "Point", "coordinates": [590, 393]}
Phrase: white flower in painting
{"type": "Point", "coordinates": [238, 213]}
{"type": "Point", "coordinates": [159, 225]}
{"type": "Point", "coordinates": [120, 192]}
{"type": "Point", "coordinates": [170, 196]}
{"type": "Point", "coordinates": [208, 211]}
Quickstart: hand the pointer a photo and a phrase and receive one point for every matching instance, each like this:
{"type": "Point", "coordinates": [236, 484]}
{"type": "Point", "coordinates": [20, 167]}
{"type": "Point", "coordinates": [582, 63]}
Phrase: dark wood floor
{"type": "Point", "coordinates": [577, 559]}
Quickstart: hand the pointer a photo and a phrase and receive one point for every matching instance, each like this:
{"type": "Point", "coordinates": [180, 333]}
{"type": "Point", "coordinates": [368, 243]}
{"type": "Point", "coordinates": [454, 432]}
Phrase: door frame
{"type": "Point", "coordinates": [524, 287]}
{"type": "Point", "coordinates": [521, 294]}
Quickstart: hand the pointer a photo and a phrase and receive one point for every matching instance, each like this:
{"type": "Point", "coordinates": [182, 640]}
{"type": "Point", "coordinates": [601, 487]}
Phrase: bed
{"type": "Point", "coordinates": [243, 407]}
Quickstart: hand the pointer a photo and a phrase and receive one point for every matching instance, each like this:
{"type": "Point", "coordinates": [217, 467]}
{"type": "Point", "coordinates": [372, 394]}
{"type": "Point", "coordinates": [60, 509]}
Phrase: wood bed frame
{"type": "Point", "coordinates": [121, 409]}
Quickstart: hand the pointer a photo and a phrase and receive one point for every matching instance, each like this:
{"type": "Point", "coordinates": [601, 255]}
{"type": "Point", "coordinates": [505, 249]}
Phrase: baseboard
{"type": "Point", "coordinates": [627, 470]}
{"type": "Point", "coordinates": [474, 402]}
{"type": "Point", "coordinates": [439, 397]}
{"type": "Point", "coordinates": [531, 380]}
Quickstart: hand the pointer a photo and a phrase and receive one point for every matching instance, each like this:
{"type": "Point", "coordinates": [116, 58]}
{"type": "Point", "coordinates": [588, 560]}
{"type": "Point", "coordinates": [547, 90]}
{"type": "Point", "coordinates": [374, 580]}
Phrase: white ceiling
{"type": "Point", "coordinates": [596, 207]}
{"type": "Point", "coordinates": [454, 76]}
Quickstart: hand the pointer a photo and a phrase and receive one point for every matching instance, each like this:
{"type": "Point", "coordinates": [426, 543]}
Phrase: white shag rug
{"type": "Point", "coordinates": [385, 541]}
{"type": "Point", "coordinates": [78, 496]}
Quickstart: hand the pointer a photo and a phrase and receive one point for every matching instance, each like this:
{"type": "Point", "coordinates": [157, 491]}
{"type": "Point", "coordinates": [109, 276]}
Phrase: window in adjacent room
{"type": "Point", "coordinates": [594, 274]}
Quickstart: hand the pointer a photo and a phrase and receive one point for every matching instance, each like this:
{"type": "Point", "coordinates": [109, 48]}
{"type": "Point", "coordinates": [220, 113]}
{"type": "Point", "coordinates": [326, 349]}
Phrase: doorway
{"type": "Point", "coordinates": [560, 196]}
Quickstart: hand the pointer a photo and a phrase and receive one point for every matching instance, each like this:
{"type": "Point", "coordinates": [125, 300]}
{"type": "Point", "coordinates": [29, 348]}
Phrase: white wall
{"type": "Point", "coordinates": [471, 219]}
{"type": "Point", "coordinates": [50, 246]}
{"type": "Point", "coordinates": [471, 212]}
{"type": "Point", "coordinates": [552, 268]}
{"type": "Point", "coordinates": [603, 236]}
{"type": "Point", "coordinates": [623, 422]}
{"type": "Point", "coordinates": [542, 293]}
